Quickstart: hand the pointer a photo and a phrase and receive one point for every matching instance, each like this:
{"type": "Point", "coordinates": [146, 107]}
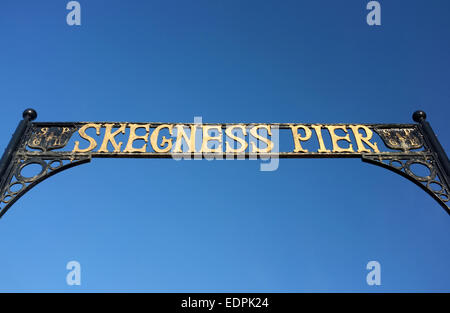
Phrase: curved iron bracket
{"type": "Point", "coordinates": [16, 184]}
{"type": "Point", "coordinates": [433, 183]}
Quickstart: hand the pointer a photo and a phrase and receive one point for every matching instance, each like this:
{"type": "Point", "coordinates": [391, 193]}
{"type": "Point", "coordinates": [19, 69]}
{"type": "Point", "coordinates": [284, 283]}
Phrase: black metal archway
{"type": "Point", "coordinates": [400, 146]}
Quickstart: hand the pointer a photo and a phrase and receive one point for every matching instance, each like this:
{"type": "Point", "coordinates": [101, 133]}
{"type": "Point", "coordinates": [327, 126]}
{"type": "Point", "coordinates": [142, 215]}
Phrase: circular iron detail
{"type": "Point", "coordinates": [408, 170]}
{"type": "Point", "coordinates": [14, 184]}
{"type": "Point", "coordinates": [29, 162]}
{"type": "Point", "coordinates": [52, 165]}
{"type": "Point", "coordinates": [392, 161]}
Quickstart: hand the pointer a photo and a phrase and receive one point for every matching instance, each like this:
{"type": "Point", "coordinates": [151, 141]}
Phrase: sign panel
{"type": "Point", "coordinates": [166, 140]}
{"type": "Point", "coordinates": [58, 146]}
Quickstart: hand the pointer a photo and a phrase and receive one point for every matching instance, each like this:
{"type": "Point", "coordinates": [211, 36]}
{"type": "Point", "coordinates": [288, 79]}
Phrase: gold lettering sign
{"type": "Point", "coordinates": [207, 137]}
{"type": "Point", "coordinates": [241, 141]}
{"type": "Point", "coordinates": [57, 146]}
{"type": "Point", "coordinates": [335, 139]}
{"type": "Point", "coordinates": [92, 141]}
{"type": "Point", "coordinates": [360, 140]}
{"type": "Point", "coordinates": [268, 142]}
{"type": "Point", "coordinates": [181, 134]}
{"type": "Point", "coordinates": [298, 138]}
{"type": "Point", "coordinates": [110, 138]}
{"type": "Point", "coordinates": [133, 137]}
{"type": "Point", "coordinates": [164, 140]}
{"type": "Point", "coordinates": [228, 138]}
{"type": "Point", "coordinates": [318, 131]}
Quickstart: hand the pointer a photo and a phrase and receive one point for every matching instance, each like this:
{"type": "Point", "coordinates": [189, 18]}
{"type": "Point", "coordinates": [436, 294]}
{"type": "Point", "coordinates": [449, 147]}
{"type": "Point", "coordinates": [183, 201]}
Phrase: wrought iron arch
{"type": "Point", "coordinates": [41, 144]}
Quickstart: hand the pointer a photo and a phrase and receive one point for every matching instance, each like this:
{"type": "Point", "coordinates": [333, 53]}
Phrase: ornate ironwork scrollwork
{"type": "Point", "coordinates": [14, 182]}
{"type": "Point", "coordinates": [406, 146]}
{"type": "Point", "coordinates": [18, 183]}
{"type": "Point", "coordinates": [433, 182]}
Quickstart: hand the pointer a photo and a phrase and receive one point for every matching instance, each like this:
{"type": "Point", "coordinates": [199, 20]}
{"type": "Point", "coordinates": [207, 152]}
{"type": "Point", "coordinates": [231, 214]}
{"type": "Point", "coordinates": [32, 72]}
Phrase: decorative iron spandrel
{"type": "Point", "coordinates": [432, 182]}
{"type": "Point", "coordinates": [16, 184]}
{"type": "Point", "coordinates": [54, 147]}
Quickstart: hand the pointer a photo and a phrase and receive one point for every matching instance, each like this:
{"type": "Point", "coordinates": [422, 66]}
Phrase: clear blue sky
{"type": "Point", "coordinates": [162, 225]}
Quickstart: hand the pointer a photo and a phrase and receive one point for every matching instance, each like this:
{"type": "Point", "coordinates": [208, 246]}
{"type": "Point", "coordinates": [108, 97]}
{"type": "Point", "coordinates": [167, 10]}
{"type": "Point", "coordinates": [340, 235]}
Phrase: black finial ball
{"type": "Point", "coordinates": [419, 116]}
{"type": "Point", "coordinates": [29, 114]}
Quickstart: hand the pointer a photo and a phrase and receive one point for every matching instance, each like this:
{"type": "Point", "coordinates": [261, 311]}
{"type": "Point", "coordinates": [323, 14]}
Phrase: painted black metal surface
{"type": "Point", "coordinates": [42, 145]}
